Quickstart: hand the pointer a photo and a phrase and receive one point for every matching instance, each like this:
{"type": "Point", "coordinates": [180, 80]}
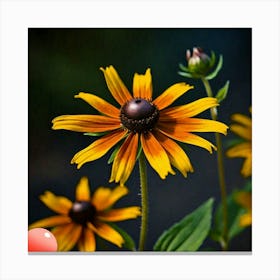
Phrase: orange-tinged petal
{"type": "Point", "coordinates": [196, 125]}
{"type": "Point", "coordinates": [86, 123]}
{"type": "Point", "coordinates": [98, 148]}
{"type": "Point", "coordinates": [142, 85]}
{"type": "Point", "coordinates": [122, 214]}
{"type": "Point", "coordinates": [156, 155]}
{"type": "Point", "coordinates": [104, 198]}
{"type": "Point", "coordinates": [125, 159]}
{"type": "Point", "coordinates": [51, 222]}
{"type": "Point", "coordinates": [82, 190]}
{"type": "Point", "coordinates": [176, 154]}
{"type": "Point", "coordinates": [87, 242]}
{"type": "Point", "coordinates": [99, 104]}
{"type": "Point", "coordinates": [175, 131]}
{"type": "Point", "coordinates": [107, 233]}
{"type": "Point", "coordinates": [171, 94]}
{"type": "Point", "coordinates": [116, 85]}
{"type": "Point", "coordinates": [242, 131]}
{"type": "Point", "coordinates": [58, 204]}
{"type": "Point", "coordinates": [67, 236]}
{"type": "Point", "coordinates": [189, 110]}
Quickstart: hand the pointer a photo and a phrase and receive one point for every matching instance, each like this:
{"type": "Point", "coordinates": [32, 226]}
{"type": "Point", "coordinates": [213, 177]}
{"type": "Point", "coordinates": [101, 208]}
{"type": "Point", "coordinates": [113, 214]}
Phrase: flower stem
{"type": "Point", "coordinates": [221, 172]}
{"type": "Point", "coordinates": [144, 201]}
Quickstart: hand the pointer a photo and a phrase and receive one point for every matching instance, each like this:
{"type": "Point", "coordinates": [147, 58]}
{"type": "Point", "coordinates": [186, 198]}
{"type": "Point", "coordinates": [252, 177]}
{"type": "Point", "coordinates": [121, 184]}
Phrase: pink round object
{"type": "Point", "coordinates": [41, 240]}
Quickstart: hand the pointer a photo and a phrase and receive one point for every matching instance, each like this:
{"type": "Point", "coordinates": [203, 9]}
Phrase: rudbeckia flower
{"type": "Point", "coordinates": [243, 128]}
{"type": "Point", "coordinates": [142, 122]}
{"type": "Point", "coordinates": [245, 200]}
{"type": "Point", "coordinates": [78, 222]}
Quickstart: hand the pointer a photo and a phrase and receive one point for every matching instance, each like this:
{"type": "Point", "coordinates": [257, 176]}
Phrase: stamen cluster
{"type": "Point", "coordinates": [82, 212]}
{"type": "Point", "coordinates": [139, 115]}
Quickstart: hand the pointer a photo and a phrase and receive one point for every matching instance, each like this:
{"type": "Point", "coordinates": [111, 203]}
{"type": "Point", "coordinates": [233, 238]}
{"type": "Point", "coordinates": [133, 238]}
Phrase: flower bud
{"type": "Point", "coordinates": [199, 63]}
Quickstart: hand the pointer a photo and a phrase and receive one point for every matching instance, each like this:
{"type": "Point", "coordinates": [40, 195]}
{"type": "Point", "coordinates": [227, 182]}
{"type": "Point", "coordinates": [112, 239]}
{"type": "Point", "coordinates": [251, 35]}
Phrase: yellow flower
{"type": "Point", "coordinates": [243, 128]}
{"type": "Point", "coordinates": [78, 222]}
{"type": "Point", "coordinates": [141, 121]}
{"type": "Point", "coordinates": [245, 200]}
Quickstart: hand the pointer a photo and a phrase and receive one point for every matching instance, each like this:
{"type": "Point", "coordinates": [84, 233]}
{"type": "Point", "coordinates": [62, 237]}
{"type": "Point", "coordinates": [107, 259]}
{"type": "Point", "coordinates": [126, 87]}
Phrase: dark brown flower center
{"type": "Point", "coordinates": [139, 115]}
{"type": "Point", "coordinates": [82, 212]}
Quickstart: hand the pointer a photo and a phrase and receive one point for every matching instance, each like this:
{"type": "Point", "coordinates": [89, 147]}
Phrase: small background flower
{"type": "Point", "coordinates": [78, 223]}
{"type": "Point", "coordinates": [63, 62]}
{"type": "Point", "coordinates": [241, 126]}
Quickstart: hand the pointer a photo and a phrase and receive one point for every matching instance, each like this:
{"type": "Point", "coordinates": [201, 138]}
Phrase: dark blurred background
{"type": "Point", "coordinates": [63, 62]}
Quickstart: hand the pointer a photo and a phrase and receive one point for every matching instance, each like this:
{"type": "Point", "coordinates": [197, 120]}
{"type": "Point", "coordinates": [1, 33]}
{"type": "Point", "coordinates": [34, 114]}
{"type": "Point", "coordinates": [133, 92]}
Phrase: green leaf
{"type": "Point", "coordinates": [95, 133]}
{"type": "Point", "coordinates": [216, 71]}
{"type": "Point", "coordinates": [183, 67]}
{"type": "Point", "coordinates": [189, 233]}
{"type": "Point", "coordinates": [185, 74]}
{"type": "Point", "coordinates": [234, 212]}
{"type": "Point", "coordinates": [212, 59]}
{"type": "Point", "coordinates": [222, 93]}
{"type": "Point", "coordinates": [233, 142]}
{"type": "Point", "coordinates": [128, 240]}
{"type": "Point", "coordinates": [139, 152]}
{"type": "Point", "coordinates": [114, 153]}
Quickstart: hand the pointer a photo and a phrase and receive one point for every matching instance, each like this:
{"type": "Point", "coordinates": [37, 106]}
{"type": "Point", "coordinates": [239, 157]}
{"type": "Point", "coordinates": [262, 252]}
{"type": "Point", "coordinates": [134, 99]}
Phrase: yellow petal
{"type": "Point", "coordinates": [82, 190]}
{"type": "Point", "coordinates": [87, 242]}
{"type": "Point", "coordinates": [99, 104]}
{"type": "Point", "coordinates": [246, 170]}
{"type": "Point", "coordinates": [67, 236]}
{"type": "Point", "coordinates": [240, 150]}
{"type": "Point", "coordinates": [244, 198]}
{"type": "Point", "coordinates": [107, 233]}
{"type": "Point", "coordinates": [122, 214]}
{"type": "Point", "coordinates": [59, 204]}
{"type": "Point", "coordinates": [142, 85]}
{"type": "Point", "coordinates": [171, 94]}
{"type": "Point", "coordinates": [243, 150]}
{"type": "Point", "coordinates": [98, 148]}
{"type": "Point", "coordinates": [242, 119]}
{"type": "Point", "coordinates": [175, 131]}
{"type": "Point", "coordinates": [86, 123]}
{"type": "Point", "coordinates": [51, 222]}
{"type": "Point", "coordinates": [104, 198]}
{"type": "Point", "coordinates": [245, 220]}
{"type": "Point", "coordinates": [196, 125]}
{"type": "Point", "coordinates": [189, 110]}
{"type": "Point", "coordinates": [176, 154]}
{"type": "Point", "coordinates": [125, 159]}
{"type": "Point", "coordinates": [244, 132]}
{"type": "Point", "coordinates": [156, 155]}
{"type": "Point", "coordinates": [115, 85]}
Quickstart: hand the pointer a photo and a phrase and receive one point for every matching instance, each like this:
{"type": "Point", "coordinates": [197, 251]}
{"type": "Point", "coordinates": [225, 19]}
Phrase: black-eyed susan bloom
{"type": "Point", "coordinates": [77, 223]}
{"type": "Point", "coordinates": [143, 122]}
{"type": "Point", "coordinates": [242, 126]}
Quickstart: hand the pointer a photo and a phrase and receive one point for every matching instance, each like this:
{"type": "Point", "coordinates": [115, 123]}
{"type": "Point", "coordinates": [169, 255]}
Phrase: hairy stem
{"type": "Point", "coordinates": [144, 202]}
{"type": "Point", "coordinates": [221, 172]}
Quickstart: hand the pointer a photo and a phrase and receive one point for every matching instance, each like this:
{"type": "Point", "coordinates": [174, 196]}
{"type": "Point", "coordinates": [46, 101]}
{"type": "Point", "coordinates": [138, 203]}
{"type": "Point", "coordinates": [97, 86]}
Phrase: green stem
{"type": "Point", "coordinates": [221, 171]}
{"type": "Point", "coordinates": [144, 201]}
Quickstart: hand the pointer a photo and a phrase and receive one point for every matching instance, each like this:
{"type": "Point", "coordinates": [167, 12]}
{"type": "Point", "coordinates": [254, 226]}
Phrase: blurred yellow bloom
{"type": "Point", "coordinates": [245, 200]}
{"type": "Point", "coordinates": [141, 122]}
{"type": "Point", "coordinates": [243, 128]}
{"type": "Point", "coordinates": [78, 222]}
